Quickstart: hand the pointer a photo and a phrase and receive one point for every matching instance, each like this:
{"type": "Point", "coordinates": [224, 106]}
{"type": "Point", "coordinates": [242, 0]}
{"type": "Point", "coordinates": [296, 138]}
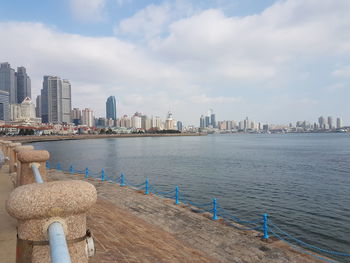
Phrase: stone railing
{"type": "Point", "coordinates": [51, 215]}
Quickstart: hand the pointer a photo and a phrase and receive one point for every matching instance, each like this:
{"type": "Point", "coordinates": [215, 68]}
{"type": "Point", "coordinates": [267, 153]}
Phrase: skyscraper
{"type": "Point", "coordinates": [111, 108]}
{"type": "Point", "coordinates": [76, 116]}
{"type": "Point", "coordinates": [321, 122]}
{"type": "Point", "coordinates": [38, 106]}
{"type": "Point", "coordinates": [339, 123]}
{"type": "Point", "coordinates": [8, 81]}
{"type": "Point", "coordinates": [202, 122]}
{"type": "Point", "coordinates": [88, 117]}
{"type": "Point", "coordinates": [23, 85]}
{"type": "Point", "coordinates": [4, 106]}
{"type": "Point", "coordinates": [66, 101]}
{"type": "Point", "coordinates": [330, 122]}
{"type": "Point", "coordinates": [55, 100]}
{"type": "Point", "coordinates": [207, 121]}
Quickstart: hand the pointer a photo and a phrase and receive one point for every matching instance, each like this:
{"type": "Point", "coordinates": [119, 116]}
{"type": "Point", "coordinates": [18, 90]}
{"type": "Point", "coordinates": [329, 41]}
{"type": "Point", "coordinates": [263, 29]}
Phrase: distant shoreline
{"type": "Point", "coordinates": [89, 136]}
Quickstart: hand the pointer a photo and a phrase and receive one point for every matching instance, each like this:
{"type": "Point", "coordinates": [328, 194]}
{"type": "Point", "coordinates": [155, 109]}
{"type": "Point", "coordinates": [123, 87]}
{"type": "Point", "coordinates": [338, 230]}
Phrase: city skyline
{"type": "Point", "coordinates": [159, 55]}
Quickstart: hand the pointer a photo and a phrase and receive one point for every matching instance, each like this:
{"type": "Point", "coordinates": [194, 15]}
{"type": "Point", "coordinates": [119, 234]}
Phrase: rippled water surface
{"type": "Point", "coordinates": [301, 180]}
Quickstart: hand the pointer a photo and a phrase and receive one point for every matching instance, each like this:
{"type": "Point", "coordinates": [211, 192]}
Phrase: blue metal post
{"type": "Point", "coordinates": [177, 195]}
{"type": "Point", "coordinates": [58, 167]}
{"type": "Point", "coordinates": [265, 227]}
{"type": "Point", "coordinates": [71, 169]}
{"type": "Point", "coordinates": [122, 182]}
{"type": "Point", "coordinates": [47, 165]}
{"type": "Point", "coordinates": [146, 187]}
{"type": "Point", "coordinates": [86, 172]}
{"type": "Point", "coordinates": [215, 216]}
{"type": "Point", "coordinates": [102, 174]}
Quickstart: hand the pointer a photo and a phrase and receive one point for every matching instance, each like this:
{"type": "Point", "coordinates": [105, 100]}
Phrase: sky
{"type": "Point", "coordinates": [274, 61]}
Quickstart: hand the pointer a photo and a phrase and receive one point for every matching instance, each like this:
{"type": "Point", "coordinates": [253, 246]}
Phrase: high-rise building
{"type": "Point", "coordinates": [56, 100]}
{"type": "Point", "coordinates": [339, 123]}
{"type": "Point", "coordinates": [169, 122]}
{"type": "Point", "coordinates": [207, 121]}
{"type": "Point", "coordinates": [23, 85]}
{"type": "Point", "coordinates": [212, 118]}
{"type": "Point", "coordinates": [179, 126]}
{"type": "Point", "coordinates": [38, 106]}
{"type": "Point", "coordinates": [88, 117]}
{"type": "Point", "coordinates": [330, 122]}
{"type": "Point", "coordinates": [202, 122]}
{"type": "Point", "coordinates": [156, 122]}
{"type": "Point", "coordinates": [76, 116]}
{"type": "Point", "coordinates": [4, 105]}
{"type": "Point", "coordinates": [321, 122]}
{"type": "Point", "coordinates": [136, 121]}
{"type": "Point", "coordinates": [145, 123]}
{"type": "Point", "coordinates": [8, 81]}
{"type": "Point", "coordinates": [66, 101]}
{"type": "Point", "coordinates": [111, 108]}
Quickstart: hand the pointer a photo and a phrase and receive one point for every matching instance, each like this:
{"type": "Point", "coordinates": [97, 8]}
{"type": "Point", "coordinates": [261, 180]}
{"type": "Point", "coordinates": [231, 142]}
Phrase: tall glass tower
{"type": "Point", "coordinates": [111, 108]}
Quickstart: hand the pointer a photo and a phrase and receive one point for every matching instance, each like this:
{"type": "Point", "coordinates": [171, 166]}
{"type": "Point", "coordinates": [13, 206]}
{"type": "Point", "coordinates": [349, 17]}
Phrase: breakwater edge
{"type": "Point", "coordinates": [287, 176]}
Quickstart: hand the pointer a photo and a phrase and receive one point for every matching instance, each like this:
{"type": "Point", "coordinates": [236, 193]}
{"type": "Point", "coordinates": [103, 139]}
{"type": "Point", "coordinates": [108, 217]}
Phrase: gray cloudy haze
{"type": "Point", "coordinates": [288, 61]}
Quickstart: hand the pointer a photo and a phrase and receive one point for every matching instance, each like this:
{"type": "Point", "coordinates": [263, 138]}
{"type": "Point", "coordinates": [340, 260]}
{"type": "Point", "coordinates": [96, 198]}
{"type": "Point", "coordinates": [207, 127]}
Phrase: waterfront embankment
{"type": "Point", "coordinates": [129, 226]}
{"type": "Point", "coordinates": [26, 139]}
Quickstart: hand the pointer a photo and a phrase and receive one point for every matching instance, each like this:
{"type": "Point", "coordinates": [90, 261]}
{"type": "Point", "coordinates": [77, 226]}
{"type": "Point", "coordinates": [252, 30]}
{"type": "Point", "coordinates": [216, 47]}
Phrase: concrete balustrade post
{"type": "Point", "coordinates": [26, 158]}
{"type": "Point", "coordinates": [5, 146]}
{"type": "Point", "coordinates": [17, 164]}
{"type": "Point", "coordinates": [12, 156]}
{"type": "Point", "coordinates": [37, 206]}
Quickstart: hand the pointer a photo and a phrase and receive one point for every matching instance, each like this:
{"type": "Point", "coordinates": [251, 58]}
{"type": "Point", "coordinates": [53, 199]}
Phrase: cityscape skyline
{"type": "Point", "coordinates": [60, 92]}
{"type": "Point", "coordinates": [252, 66]}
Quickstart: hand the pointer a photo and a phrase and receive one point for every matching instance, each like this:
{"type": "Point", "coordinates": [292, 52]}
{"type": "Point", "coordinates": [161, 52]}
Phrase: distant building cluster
{"type": "Point", "coordinates": [15, 87]}
{"type": "Point", "coordinates": [53, 109]}
{"type": "Point", "coordinates": [323, 124]}
{"type": "Point", "coordinates": [207, 123]}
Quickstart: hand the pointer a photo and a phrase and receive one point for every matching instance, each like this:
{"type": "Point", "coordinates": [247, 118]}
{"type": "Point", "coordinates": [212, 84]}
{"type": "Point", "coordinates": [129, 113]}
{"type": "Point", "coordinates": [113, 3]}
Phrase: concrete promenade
{"type": "Point", "coordinates": [129, 226]}
{"type": "Point", "coordinates": [7, 223]}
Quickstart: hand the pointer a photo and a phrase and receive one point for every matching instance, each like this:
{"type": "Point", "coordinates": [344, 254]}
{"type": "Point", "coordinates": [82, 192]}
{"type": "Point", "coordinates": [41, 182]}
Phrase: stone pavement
{"type": "Point", "coordinates": [132, 227]}
{"type": "Point", "coordinates": [7, 223]}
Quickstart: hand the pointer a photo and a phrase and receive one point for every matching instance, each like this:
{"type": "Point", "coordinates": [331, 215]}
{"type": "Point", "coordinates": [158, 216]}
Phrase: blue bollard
{"type": "Point", "coordinates": [146, 187]}
{"type": "Point", "coordinates": [102, 174]}
{"type": "Point", "coordinates": [71, 169]}
{"type": "Point", "coordinates": [215, 216]}
{"type": "Point", "coordinates": [265, 227]}
{"type": "Point", "coordinates": [86, 172]}
{"type": "Point", "coordinates": [58, 167]}
{"type": "Point", "coordinates": [47, 165]}
{"type": "Point", "coordinates": [122, 182]}
{"type": "Point", "coordinates": [177, 195]}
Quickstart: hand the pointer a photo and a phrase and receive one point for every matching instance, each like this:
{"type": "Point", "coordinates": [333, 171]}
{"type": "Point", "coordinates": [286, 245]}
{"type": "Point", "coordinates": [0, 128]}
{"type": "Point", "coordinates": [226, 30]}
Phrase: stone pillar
{"type": "Point", "coordinates": [17, 163]}
{"type": "Point", "coordinates": [37, 206]}
{"type": "Point", "coordinates": [26, 158]}
{"type": "Point", "coordinates": [12, 155]}
{"type": "Point", "coordinates": [5, 146]}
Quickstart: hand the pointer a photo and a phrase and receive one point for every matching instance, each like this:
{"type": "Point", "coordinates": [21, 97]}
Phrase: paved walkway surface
{"type": "Point", "coordinates": [7, 223]}
{"type": "Point", "coordinates": [132, 227]}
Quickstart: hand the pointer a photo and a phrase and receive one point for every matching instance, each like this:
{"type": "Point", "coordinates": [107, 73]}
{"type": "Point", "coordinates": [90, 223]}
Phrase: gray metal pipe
{"type": "Point", "coordinates": [58, 244]}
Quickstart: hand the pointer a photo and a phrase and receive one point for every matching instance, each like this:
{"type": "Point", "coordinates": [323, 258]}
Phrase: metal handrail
{"type": "Point", "coordinates": [36, 173]}
{"type": "Point", "coordinates": [58, 244]}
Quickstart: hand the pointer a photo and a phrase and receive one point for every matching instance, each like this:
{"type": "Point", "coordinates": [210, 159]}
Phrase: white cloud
{"type": "Point", "coordinates": [342, 72]}
{"type": "Point", "coordinates": [153, 20]}
{"type": "Point", "coordinates": [204, 99]}
{"type": "Point", "coordinates": [190, 57]}
{"type": "Point", "coordinates": [88, 10]}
